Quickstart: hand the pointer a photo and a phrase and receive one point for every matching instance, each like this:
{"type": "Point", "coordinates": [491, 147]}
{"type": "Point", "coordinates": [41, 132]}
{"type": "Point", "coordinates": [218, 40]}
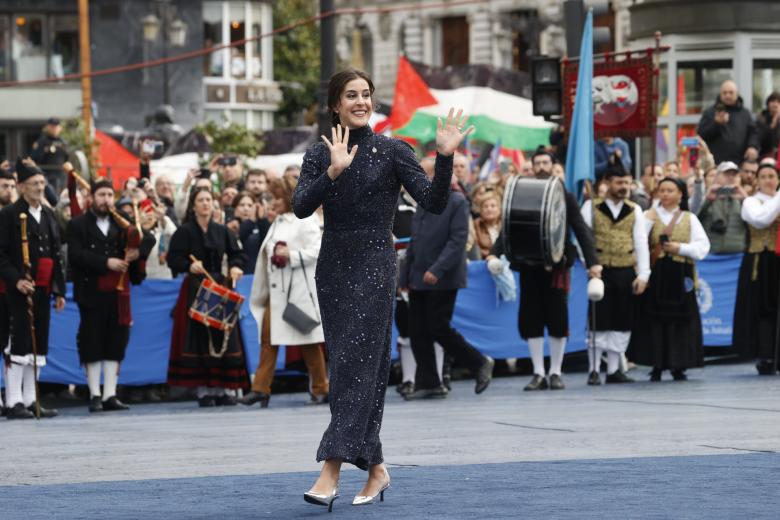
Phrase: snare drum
{"type": "Point", "coordinates": [534, 220]}
{"type": "Point", "coordinates": [216, 306]}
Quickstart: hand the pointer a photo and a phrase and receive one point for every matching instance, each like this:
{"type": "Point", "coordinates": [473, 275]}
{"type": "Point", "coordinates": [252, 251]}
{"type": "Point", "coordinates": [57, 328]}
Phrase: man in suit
{"type": "Point", "coordinates": [99, 260]}
{"type": "Point", "coordinates": [544, 289]}
{"type": "Point", "coordinates": [433, 271]}
{"type": "Point", "coordinates": [47, 280]}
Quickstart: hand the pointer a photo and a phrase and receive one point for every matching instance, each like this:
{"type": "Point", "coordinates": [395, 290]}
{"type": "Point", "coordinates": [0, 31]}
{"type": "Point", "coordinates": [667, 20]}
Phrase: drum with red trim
{"type": "Point", "coordinates": [216, 306]}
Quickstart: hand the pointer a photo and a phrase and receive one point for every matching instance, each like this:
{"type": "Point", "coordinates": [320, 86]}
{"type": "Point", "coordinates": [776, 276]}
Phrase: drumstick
{"type": "Point", "coordinates": [193, 259]}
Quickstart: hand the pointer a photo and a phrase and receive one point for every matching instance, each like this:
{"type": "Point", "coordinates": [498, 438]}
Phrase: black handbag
{"type": "Point", "coordinates": [294, 315]}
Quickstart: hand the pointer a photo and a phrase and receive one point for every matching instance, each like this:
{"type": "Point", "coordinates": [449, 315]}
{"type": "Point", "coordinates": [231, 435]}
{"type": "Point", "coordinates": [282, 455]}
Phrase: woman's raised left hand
{"type": "Point", "coordinates": [450, 134]}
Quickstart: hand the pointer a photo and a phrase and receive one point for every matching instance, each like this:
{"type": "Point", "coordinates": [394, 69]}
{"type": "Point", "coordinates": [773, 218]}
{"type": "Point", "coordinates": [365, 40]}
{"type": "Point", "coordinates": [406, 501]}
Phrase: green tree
{"type": "Point", "coordinates": [231, 138]}
{"type": "Point", "coordinates": [296, 61]}
{"type": "Point", "coordinates": [74, 135]}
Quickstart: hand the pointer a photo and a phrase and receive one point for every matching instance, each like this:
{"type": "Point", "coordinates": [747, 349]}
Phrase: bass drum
{"type": "Point", "coordinates": [534, 220]}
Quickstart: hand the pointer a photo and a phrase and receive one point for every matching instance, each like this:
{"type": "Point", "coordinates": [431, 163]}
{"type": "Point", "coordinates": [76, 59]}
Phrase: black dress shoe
{"type": "Point", "coordinates": [18, 411]}
{"type": "Point", "coordinates": [405, 388]}
{"type": "Point", "coordinates": [556, 383]}
{"type": "Point", "coordinates": [207, 401]}
{"type": "Point", "coordinates": [619, 377]}
{"type": "Point", "coordinates": [679, 375]}
{"type": "Point", "coordinates": [46, 413]}
{"type": "Point", "coordinates": [318, 399]}
{"type": "Point", "coordinates": [255, 397]}
{"type": "Point", "coordinates": [765, 368]}
{"type": "Point", "coordinates": [225, 400]}
{"type": "Point", "coordinates": [114, 404]}
{"type": "Point", "coordinates": [439, 392]}
{"type": "Point", "coordinates": [96, 404]}
{"type": "Point", "coordinates": [3, 411]}
{"type": "Point", "coordinates": [484, 375]}
{"type": "Point", "coordinates": [594, 379]}
{"type": "Point", "coordinates": [537, 383]}
{"type": "Point", "coordinates": [655, 375]}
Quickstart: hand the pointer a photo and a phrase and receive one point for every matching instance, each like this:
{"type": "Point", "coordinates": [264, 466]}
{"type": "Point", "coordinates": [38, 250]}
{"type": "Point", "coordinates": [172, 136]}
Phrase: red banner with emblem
{"type": "Point", "coordinates": [622, 96]}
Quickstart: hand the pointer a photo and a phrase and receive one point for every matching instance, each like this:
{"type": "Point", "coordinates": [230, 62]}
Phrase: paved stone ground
{"type": "Point", "coordinates": [705, 448]}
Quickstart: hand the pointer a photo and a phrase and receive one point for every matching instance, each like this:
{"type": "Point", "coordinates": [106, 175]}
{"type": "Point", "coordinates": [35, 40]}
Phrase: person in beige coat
{"type": "Point", "coordinates": [286, 262]}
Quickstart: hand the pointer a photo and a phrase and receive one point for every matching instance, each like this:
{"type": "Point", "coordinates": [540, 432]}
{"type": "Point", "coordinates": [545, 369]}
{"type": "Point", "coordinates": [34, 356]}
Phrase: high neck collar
{"type": "Point", "coordinates": [358, 134]}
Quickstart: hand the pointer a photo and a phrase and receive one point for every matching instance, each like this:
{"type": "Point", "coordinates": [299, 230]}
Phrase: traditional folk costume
{"type": "Point", "coordinates": [104, 302]}
{"type": "Point", "coordinates": [755, 312]}
{"type": "Point", "coordinates": [544, 298]}
{"type": "Point", "coordinates": [621, 245]}
{"type": "Point", "coordinates": [5, 318]}
{"type": "Point", "coordinates": [669, 337]}
{"type": "Point", "coordinates": [193, 360]}
{"type": "Point", "coordinates": [49, 280]}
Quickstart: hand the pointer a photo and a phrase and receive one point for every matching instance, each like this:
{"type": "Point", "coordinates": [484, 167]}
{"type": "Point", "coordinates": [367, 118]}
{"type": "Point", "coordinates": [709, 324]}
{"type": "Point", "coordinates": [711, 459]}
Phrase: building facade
{"type": "Point", "coordinates": [711, 41]}
{"type": "Point", "coordinates": [41, 40]}
{"type": "Point", "coordinates": [502, 33]}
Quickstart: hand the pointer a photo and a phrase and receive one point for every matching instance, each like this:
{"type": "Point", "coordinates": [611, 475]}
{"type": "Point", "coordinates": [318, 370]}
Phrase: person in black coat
{"type": "Point", "coordinates": [7, 185]}
{"type": "Point", "coordinates": [103, 267]}
{"type": "Point", "coordinates": [768, 126]}
{"type": "Point", "coordinates": [434, 270]}
{"type": "Point", "coordinates": [544, 292]}
{"type": "Point", "coordinates": [728, 127]}
{"type": "Point", "coordinates": [194, 362]}
{"type": "Point", "coordinates": [50, 152]}
{"type": "Point", "coordinates": [48, 279]}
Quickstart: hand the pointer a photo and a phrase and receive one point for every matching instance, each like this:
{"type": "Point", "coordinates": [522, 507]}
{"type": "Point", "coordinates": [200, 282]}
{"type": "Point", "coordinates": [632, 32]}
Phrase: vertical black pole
{"type": "Point", "coordinates": [327, 64]}
{"type": "Point", "coordinates": [164, 22]}
{"type": "Point", "coordinates": [573, 20]}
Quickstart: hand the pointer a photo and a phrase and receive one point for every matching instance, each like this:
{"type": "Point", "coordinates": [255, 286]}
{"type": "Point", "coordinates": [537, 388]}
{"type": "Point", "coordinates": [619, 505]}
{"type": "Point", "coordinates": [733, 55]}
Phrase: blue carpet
{"type": "Point", "coordinates": [712, 487]}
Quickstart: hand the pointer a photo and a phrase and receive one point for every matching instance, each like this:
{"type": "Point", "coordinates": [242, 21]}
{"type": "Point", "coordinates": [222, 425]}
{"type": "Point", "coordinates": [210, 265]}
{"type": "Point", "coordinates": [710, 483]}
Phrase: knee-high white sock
{"type": "Point", "coordinates": [623, 362]}
{"type": "Point", "coordinates": [110, 377]}
{"type": "Point", "coordinates": [28, 386]}
{"type": "Point", "coordinates": [536, 347]}
{"type": "Point", "coordinates": [439, 353]}
{"type": "Point", "coordinates": [613, 362]}
{"type": "Point", "coordinates": [557, 348]}
{"type": "Point", "coordinates": [93, 378]}
{"type": "Point", "coordinates": [13, 385]}
{"type": "Point", "coordinates": [408, 363]}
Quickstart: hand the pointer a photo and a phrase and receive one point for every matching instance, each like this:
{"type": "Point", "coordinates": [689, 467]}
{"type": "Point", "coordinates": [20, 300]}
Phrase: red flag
{"type": "Point", "coordinates": [411, 93]}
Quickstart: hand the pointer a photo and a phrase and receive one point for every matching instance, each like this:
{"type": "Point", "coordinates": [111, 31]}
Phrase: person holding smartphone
{"type": "Point", "coordinates": [720, 213]}
{"type": "Point", "coordinates": [728, 127]}
{"type": "Point", "coordinates": [669, 336]}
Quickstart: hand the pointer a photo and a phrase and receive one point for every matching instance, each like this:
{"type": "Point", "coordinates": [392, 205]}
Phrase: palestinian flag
{"type": "Point", "coordinates": [497, 116]}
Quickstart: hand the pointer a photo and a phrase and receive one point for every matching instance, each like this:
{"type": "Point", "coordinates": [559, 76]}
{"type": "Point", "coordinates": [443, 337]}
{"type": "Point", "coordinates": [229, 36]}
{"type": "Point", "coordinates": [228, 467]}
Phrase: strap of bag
{"type": "Point", "coordinates": [305, 279]}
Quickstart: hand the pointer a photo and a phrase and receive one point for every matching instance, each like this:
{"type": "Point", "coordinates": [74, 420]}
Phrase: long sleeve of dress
{"type": "Point", "coordinates": [699, 245]}
{"type": "Point", "coordinates": [761, 215]}
{"type": "Point", "coordinates": [641, 246]}
{"type": "Point", "coordinates": [178, 252]}
{"type": "Point", "coordinates": [235, 255]}
{"type": "Point", "coordinates": [314, 183]}
{"type": "Point", "coordinates": [432, 196]}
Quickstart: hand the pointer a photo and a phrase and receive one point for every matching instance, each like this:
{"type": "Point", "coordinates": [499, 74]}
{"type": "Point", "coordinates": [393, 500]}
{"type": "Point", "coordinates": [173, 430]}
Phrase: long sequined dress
{"type": "Point", "coordinates": [356, 277]}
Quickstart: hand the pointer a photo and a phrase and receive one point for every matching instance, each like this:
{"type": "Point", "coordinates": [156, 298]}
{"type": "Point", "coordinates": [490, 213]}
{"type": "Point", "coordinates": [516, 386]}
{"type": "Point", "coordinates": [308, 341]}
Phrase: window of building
{"type": "Point", "coordinates": [231, 22]}
{"type": "Point", "coordinates": [212, 35]}
{"type": "Point", "coordinates": [698, 84]}
{"type": "Point", "coordinates": [36, 46]}
{"type": "Point", "coordinates": [455, 41]}
{"type": "Point", "coordinates": [766, 79]}
{"type": "Point", "coordinates": [64, 47]}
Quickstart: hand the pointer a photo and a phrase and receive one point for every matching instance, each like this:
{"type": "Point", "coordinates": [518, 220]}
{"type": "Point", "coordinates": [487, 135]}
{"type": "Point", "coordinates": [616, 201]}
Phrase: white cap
{"type": "Point", "coordinates": [727, 166]}
{"type": "Point", "coordinates": [596, 289]}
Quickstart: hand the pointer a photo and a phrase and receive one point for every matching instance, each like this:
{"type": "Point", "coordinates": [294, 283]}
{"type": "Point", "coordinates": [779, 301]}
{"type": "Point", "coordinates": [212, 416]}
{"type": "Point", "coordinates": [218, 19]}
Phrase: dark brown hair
{"type": "Point", "coordinates": [190, 214]}
{"type": "Point", "coordinates": [241, 195]}
{"type": "Point", "coordinates": [256, 172]}
{"type": "Point", "coordinates": [283, 188]}
{"type": "Point", "coordinates": [337, 84]}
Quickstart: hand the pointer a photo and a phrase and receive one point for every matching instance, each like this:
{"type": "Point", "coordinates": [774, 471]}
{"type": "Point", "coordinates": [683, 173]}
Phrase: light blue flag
{"type": "Point", "coordinates": [580, 161]}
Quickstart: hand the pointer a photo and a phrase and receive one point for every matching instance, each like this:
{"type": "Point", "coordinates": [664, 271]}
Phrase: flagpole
{"type": "Point", "coordinates": [656, 97]}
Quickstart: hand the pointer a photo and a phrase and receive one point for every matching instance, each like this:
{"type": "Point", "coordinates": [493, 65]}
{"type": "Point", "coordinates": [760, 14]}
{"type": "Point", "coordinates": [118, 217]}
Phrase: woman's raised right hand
{"type": "Point", "coordinates": [340, 157]}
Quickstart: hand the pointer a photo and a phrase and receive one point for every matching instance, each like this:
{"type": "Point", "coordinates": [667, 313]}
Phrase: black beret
{"type": "Point", "coordinates": [101, 182]}
{"type": "Point", "coordinates": [25, 171]}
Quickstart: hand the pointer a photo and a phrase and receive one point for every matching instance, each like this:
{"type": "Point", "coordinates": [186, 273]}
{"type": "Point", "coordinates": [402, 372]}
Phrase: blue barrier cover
{"type": "Point", "coordinates": [488, 324]}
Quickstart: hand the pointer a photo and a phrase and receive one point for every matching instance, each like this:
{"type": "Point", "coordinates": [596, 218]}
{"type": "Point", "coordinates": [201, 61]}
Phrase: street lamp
{"type": "Point", "coordinates": [173, 32]}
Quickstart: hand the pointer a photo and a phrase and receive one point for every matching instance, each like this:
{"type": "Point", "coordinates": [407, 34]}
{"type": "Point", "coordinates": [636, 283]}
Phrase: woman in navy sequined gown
{"type": "Point", "coordinates": [356, 176]}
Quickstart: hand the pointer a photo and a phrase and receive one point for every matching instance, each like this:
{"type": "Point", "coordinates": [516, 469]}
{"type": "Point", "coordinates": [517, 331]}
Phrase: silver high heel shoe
{"type": "Point", "coordinates": [362, 500]}
{"type": "Point", "coordinates": [322, 500]}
